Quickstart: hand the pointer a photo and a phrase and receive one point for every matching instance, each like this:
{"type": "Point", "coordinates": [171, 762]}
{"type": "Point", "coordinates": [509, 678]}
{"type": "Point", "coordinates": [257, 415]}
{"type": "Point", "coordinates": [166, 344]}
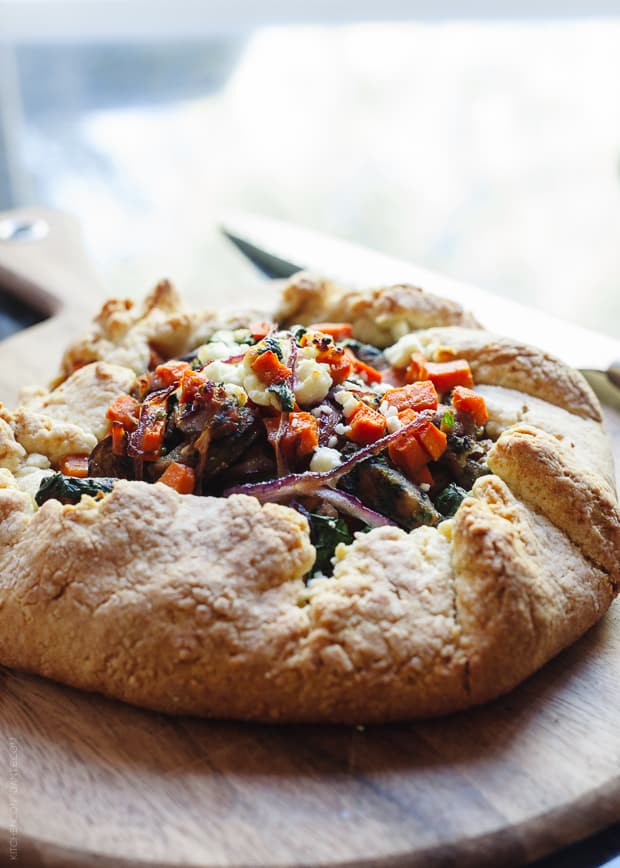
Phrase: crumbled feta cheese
{"type": "Point", "coordinates": [333, 441]}
{"type": "Point", "coordinates": [341, 429]}
{"type": "Point", "coordinates": [393, 424]}
{"type": "Point", "coordinates": [380, 388]}
{"type": "Point", "coordinates": [325, 458]}
{"type": "Point", "coordinates": [224, 335]}
{"type": "Point", "coordinates": [321, 410]}
{"type": "Point", "coordinates": [216, 350]}
{"type": "Point", "coordinates": [312, 381]}
{"type": "Point", "coordinates": [237, 392]}
{"type": "Point", "coordinates": [348, 402]}
{"type": "Point", "coordinates": [399, 354]}
{"type": "Point", "coordinates": [424, 486]}
{"type": "Point", "coordinates": [388, 409]}
{"type": "Point", "coordinates": [257, 390]}
{"type": "Point", "coordinates": [307, 352]}
{"type": "Point", "coordinates": [220, 372]}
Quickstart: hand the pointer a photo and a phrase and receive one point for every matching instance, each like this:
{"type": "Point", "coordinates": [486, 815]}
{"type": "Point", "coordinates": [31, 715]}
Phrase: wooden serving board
{"type": "Point", "coordinates": [94, 782]}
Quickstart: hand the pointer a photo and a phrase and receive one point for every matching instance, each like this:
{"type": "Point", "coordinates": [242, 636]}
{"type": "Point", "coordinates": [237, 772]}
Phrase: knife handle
{"type": "Point", "coordinates": [613, 373]}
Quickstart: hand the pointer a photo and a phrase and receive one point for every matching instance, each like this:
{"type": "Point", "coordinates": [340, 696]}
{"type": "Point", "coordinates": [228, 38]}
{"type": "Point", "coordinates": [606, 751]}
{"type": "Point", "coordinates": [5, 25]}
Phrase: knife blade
{"type": "Point", "coordinates": [280, 249]}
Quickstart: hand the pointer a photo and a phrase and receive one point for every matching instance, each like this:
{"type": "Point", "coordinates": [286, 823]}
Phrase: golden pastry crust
{"type": "Point", "coordinates": [379, 316]}
{"type": "Point", "coordinates": [197, 605]}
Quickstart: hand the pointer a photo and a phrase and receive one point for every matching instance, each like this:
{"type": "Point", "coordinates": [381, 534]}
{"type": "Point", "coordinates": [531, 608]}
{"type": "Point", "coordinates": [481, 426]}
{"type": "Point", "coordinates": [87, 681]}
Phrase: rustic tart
{"type": "Point", "coordinates": [358, 507]}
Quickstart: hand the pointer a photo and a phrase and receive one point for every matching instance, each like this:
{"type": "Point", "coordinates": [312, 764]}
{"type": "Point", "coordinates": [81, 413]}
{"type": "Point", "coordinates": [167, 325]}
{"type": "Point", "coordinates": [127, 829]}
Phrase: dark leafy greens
{"type": "Point", "coordinates": [285, 395]}
{"type": "Point", "coordinates": [325, 534]}
{"type": "Point", "coordinates": [69, 489]}
{"type": "Point", "coordinates": [449, 500]}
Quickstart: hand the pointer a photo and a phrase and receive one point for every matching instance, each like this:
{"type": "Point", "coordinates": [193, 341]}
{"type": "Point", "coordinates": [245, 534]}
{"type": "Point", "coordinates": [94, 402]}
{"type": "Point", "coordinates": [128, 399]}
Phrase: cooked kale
{"type": "Point", "coordinates": [325, 534]}
{"type": "Point", "coordinates": [285, 394]}
{"type": "Point", "coordinates": [449, 500]}
{"type": "Point", "coordinates": [271, 344]}
{"type": "Point", "coordinates": [69, 489]}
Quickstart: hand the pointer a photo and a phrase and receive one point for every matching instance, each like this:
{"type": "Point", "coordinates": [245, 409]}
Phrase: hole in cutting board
{"type": "Point", "coordinates": [15, 315]}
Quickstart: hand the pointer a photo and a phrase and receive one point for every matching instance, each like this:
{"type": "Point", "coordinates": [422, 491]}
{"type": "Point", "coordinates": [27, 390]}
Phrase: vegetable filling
{"type": "Point", "coordinates": [351, 436]}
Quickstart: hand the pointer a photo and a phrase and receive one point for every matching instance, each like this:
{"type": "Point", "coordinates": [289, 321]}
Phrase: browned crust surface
{"type": "Point", "coordinates": [198, 605]}
{"type": "Point", "coordinates": [578, 501]}
{"type": "Point", "coordinates": [378, 316]}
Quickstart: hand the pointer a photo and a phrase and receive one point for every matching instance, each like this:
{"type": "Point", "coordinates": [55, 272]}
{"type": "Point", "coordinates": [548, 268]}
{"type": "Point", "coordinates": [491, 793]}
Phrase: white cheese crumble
{"type": "Point", "coordinates": [257, 390]}
{"type": "Point", "coordinates": [321, 410]}
{"type": "Point", "coordinates": [399, 354]}
{"type": "Point", "coordinates": [324, 459]}
{"type": "Point", "coordinates": [393, 424]}
{"type": "Point", "coordinates": [333, 441]}
{"type": "Point", "coordinates": [216, 350]}
{"type": "Point", "coordinates": [237, 392]}
{"type": "Point", "coordinates": [312, 381]}
{"type": "Point", "coordinates": [348, 402]}
{"type": "Point", "coordinates": [341, 429]}
{"type": "Point", "coordinates": [388, 410]}
{"type": "Point", "coordinates": [220, 372]}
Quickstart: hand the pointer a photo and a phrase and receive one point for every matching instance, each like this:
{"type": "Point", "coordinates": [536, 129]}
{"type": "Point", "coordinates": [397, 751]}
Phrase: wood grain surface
{"type": "Point", "coordinates": [88, 781]}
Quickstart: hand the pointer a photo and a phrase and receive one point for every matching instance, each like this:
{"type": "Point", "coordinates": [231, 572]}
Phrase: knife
{"type": "Point", "coordinates": [280, 249]}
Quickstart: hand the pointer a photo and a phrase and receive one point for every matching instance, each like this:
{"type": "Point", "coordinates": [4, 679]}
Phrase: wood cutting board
{"type": "Point", "coordinates": [90, 781]}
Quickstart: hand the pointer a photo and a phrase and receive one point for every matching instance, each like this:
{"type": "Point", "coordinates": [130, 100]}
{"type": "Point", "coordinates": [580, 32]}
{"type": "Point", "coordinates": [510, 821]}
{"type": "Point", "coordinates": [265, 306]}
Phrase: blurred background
{"type": "Point", "coordinates": [479, 144]}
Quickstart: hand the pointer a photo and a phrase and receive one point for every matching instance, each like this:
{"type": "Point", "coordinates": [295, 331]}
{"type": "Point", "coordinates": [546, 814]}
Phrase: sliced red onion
{"type": "Point", "coordinates": [307, 483]}
{"type": "Point", "coordinates": [353, 506]}
{"type": "Point", "coordinates": [231, 360]}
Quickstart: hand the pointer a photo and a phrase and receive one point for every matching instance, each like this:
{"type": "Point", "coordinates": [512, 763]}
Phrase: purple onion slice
{"type": "Point", "coordinates": [296, 484]}
{"type": "Point", "coordinates": [353, 506]}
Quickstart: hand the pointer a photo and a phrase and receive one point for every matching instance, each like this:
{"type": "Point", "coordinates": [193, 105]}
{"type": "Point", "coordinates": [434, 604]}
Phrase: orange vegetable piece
{"type": "Point", "coordinates": [125, 410]}
{"type": "Point", "coordinates": [304, 429]}
{"type": "Point", "coordinates": [423, 476]}
{"type": "Point", "coordinates": [300, 433]}
{"type": "Point", "coordinates": [169, 374]}
{"type": "Point", "coordinates": [409, 455]}
{"type": "Point", "coordinates": [269, 368]}
{"type": "Point", "coordinates": [447, 375]}
{"type": "Point", "coordinates": [74, 465]}
{"type": "Point", "coordinates": [338, 330]}
{"type": "Point", "coordinates": [367, 425]}
{"type": "Point", "coordinates": [339, 362]}
{"type": "Point", "coordinates": [153, 438]}
{"type": "Point", "coordinates": [118, 438]}
{"type": "Point", "coordinates": [415, 396]}
{"type": "Point", "coordinates": [433, 440]}
{"type": "Point", "coordinates": [416, 369]}
{"type": "Point", "coordinates": [470, 401]}
{"type": "Point", "coordinates": [367, 372]}
{"type": "Point", "coordinates": [260, 330]}
{"type": "Point", "coordinates": [191, 385]}
{"type": "Point", "coordinates": [148, 438]}
{"type": "Point", "coordinates": [180, 477]}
